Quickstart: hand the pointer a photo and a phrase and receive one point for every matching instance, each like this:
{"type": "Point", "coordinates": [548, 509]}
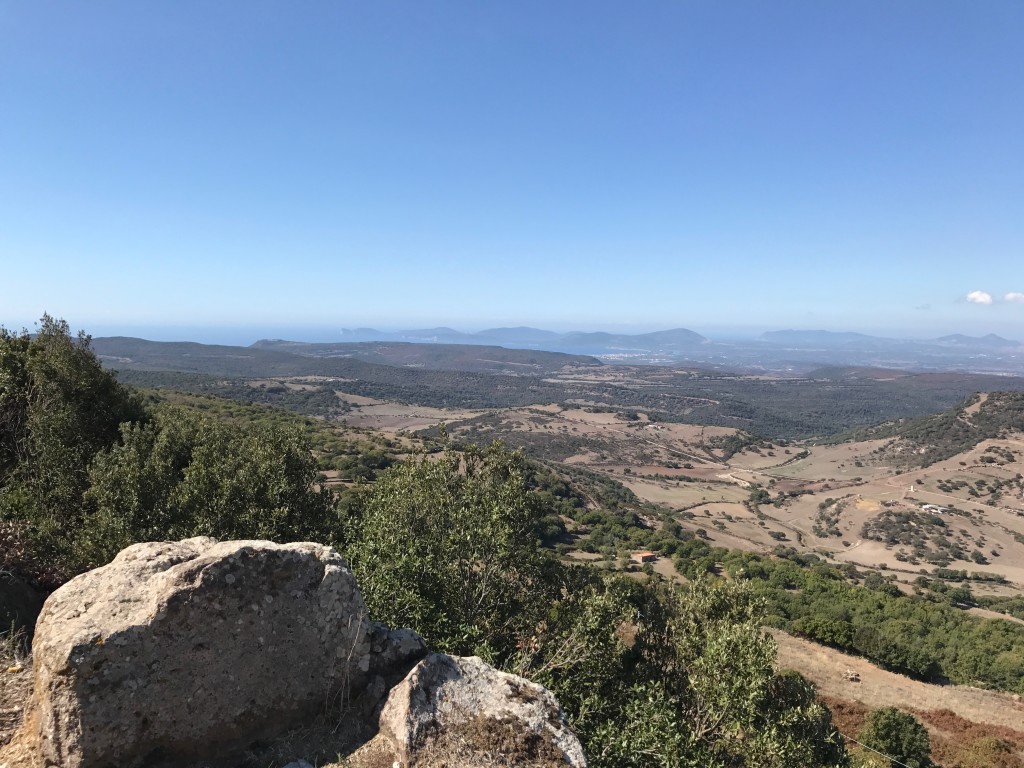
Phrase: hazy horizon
{"type": "Point", "coordinates": [244, 334]}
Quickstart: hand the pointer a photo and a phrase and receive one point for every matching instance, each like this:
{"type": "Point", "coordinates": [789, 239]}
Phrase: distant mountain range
{"type": "Point", "coordinates": [791, 351]}
{"type": "Point", "coordinates": [807, 339]}
{"type": "Point", "coordinates": [991, 341]}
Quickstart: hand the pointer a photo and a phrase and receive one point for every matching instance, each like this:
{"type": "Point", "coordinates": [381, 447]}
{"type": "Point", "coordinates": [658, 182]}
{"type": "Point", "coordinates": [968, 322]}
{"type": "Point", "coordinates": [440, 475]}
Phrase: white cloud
{"type": "Point", "coordinates": [1014, 297]}
{"type": "Point", "coordinates": [979, 297]}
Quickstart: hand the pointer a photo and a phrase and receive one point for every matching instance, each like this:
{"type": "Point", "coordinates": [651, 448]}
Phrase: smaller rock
{"type": "Point", "coordinates": [465, 711]}
{"type": "Point", "coordinates": [394, 650]}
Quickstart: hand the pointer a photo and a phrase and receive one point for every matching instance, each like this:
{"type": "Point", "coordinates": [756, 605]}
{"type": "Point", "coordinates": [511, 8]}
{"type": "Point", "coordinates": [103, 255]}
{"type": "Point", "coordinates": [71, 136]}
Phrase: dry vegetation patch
{"type": "Point", "coordinates": [827, 668]}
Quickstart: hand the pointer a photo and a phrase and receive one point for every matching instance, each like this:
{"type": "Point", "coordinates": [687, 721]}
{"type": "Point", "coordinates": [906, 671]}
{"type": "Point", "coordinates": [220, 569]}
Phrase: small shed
{"type": "Point", "coordinates": [644, 557]}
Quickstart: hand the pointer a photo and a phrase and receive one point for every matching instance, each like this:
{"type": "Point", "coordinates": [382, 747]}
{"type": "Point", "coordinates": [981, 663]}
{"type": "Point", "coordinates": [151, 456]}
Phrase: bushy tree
{"type": "Point", "coordinates": [58, 409]}
{"type": "Point", "coordinates": [183, 475]}
{"type": "Point", "coordinates": [705, 692]}
{"type": "Point", "coordinates": [589, 650]}
{"type": "Point", "coordinates": [85, 469]}
{"type": "Point", "coordinates": [449, 545]}
{"type": "Point", "coordinates": [898, 735]}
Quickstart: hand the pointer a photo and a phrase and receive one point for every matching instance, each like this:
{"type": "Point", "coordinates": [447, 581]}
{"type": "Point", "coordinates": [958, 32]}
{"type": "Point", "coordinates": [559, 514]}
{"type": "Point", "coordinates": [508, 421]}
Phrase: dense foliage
{"type": "Point", "coordinates": [898, 735]}
{"type": "Point", "coordinates": [58, 409]}
{"type": "Point", "coordinates": [86, 469]}
{"type": "Point", "coordinates": [650, 675]}
{"type": "Point", "coordinates": [458, 531]}
{"type": "Point", "coordinates": [183, 475]}
{"type": "Point", "coordinates": [932, 438]}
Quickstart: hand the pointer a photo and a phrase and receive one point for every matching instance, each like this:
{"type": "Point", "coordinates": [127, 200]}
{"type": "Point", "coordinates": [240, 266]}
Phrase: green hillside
{"type": "Point", "coordinates": [447, 357]}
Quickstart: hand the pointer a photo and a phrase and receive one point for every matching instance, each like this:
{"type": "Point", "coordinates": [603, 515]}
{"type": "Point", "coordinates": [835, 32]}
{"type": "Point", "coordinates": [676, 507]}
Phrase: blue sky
{"type": "Point", "coordinates": [277, 167]}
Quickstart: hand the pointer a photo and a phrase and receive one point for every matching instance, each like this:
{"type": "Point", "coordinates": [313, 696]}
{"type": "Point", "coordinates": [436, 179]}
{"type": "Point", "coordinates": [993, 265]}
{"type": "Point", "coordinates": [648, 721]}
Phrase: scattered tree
{"type": "Point", "coordinates": [900, 736]}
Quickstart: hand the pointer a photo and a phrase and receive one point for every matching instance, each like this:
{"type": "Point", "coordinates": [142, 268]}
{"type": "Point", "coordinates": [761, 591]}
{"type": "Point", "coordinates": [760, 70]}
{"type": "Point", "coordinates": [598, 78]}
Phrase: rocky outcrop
{"type": "Point", "coordinates": [188, 649]}
{"type": "Point", "coordinates": [461, 711]}
{"type": "Point", "coordinates": [177, 653]}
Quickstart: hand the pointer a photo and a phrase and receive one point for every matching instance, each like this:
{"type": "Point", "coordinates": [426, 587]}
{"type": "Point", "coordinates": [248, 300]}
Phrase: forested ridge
{"type": "Point", "coordinates": [452, 545]}
{"type": "Point", "coordinates": [824, 404]}
{"type": "Point", "coordinates": [955, 430]}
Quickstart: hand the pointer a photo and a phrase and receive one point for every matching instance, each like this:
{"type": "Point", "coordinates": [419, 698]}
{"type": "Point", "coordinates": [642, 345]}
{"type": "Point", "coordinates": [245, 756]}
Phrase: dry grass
{"type": "Point", "coordinates": [15, 682]}
{"type": "Point", "coordinates": [480, 742]}
{"type": "Point", "coordinates": [996, 713]}
{"type": "Point", "coordinates": [956, 742]}
{"type": "Point", "coordinates": [396, 417]}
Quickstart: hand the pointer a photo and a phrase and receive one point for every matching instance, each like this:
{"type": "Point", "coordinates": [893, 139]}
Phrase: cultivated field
{"type": "Point", "coordinates": [844, 502]}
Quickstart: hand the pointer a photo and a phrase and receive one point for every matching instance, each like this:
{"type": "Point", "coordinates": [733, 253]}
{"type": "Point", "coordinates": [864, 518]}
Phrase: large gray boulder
{"type": "Point", "coordinates": [459, 711]}
{"type": "Point", "coordinates": [188, 649]}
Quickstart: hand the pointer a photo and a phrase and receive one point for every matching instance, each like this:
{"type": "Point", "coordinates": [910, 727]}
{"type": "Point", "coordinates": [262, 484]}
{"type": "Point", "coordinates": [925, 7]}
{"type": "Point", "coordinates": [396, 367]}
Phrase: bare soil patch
{"type": "Point", "coordinates": [395, 417]}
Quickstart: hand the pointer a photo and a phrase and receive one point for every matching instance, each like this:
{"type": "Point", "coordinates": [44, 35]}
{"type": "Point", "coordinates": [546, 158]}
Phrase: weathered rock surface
{"type": "Point", "coordinates": [181, 650]}
{"type": "Point", "coordinates": [394, 649]}
{"type": "Point", "coordinates": [178, 653]}
{"type": "Point", "coordinates": [459, 711]}
{"type": "Point", "coordinates": [393, 652]}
